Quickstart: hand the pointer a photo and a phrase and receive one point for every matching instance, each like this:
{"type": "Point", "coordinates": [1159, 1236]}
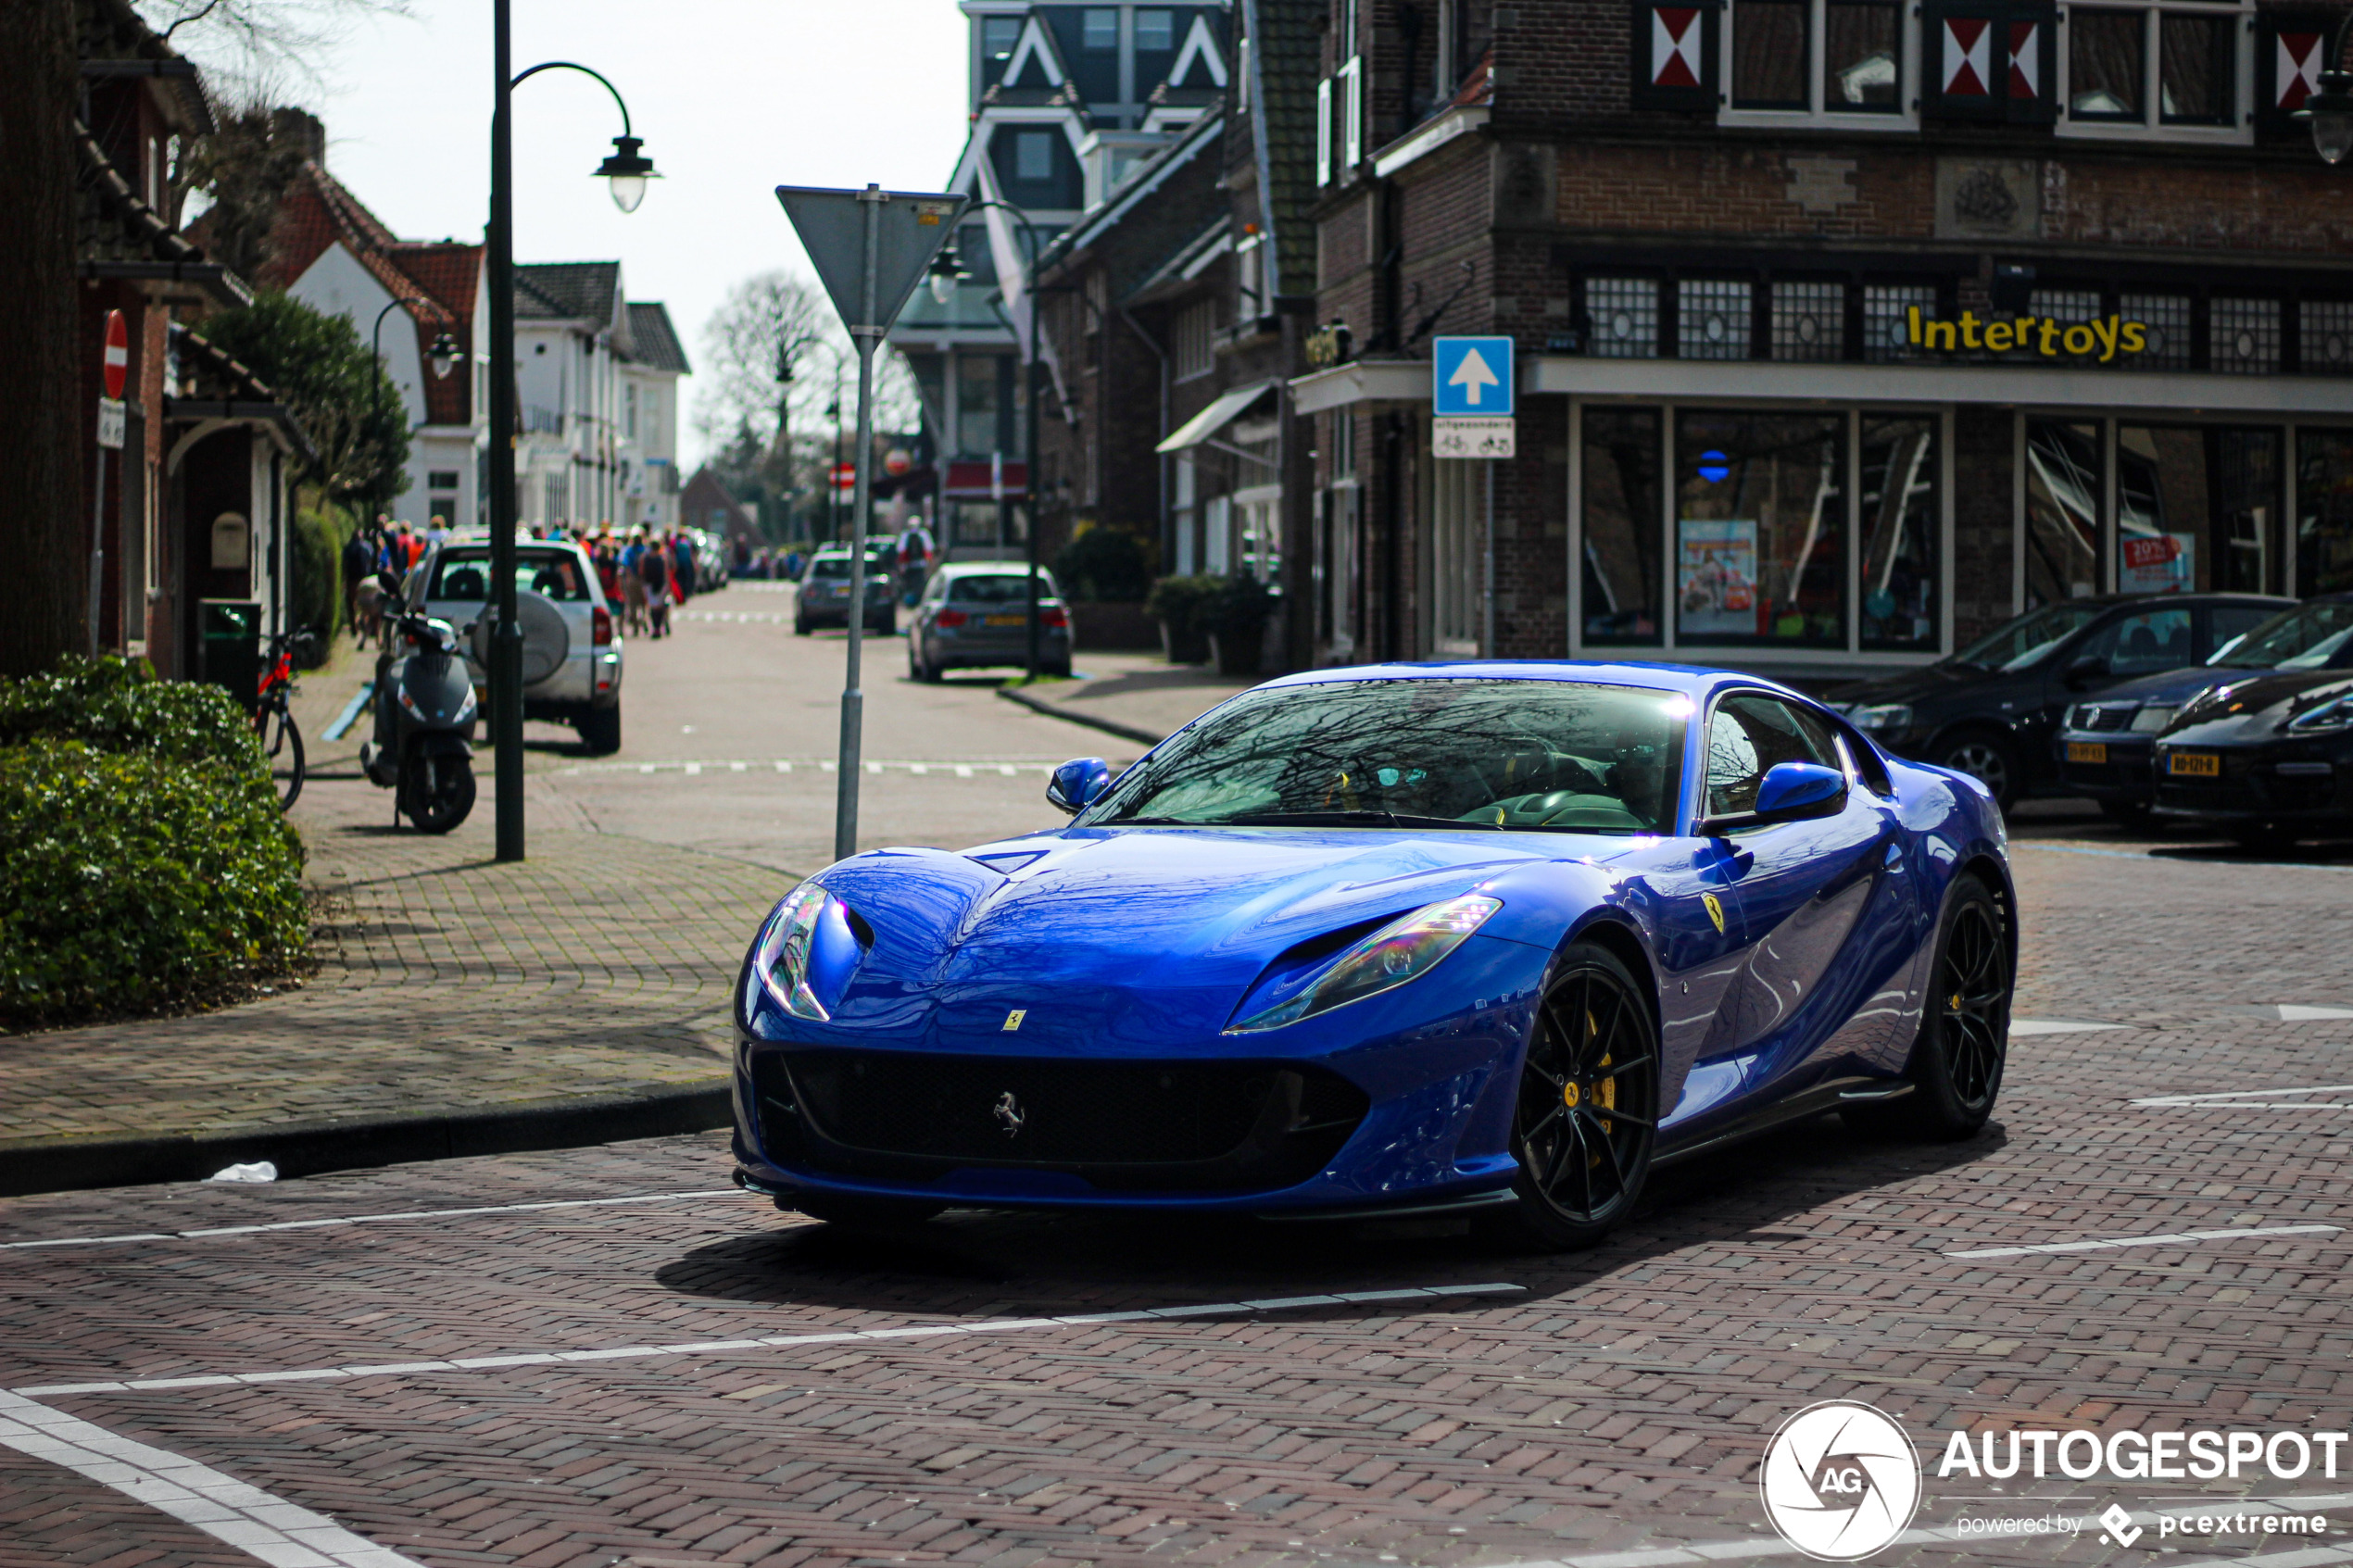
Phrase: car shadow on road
{"type": "Point", "coordinates": [996, 1262]}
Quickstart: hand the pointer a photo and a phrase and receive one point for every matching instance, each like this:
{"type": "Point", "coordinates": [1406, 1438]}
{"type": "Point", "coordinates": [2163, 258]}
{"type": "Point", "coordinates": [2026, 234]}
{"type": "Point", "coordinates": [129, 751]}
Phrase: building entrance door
{"type": "Point", "coordinates": [1457, 555]}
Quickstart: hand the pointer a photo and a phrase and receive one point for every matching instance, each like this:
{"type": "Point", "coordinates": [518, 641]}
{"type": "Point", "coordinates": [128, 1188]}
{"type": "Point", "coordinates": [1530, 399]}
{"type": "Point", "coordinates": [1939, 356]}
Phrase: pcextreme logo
{"type": "Point", "coordinates": [1839, 1481]}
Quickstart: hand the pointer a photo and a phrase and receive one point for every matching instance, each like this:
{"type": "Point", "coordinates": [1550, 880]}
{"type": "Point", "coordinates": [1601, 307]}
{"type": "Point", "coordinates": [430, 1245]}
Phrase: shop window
{"type": "Point", "coordinates": [1760, 529]}
{"type": "Point", "coordinates": [2165, 319]}
{"type": "Point", "coordinates": [1887, 321]}
{"type": "Point", "coordinates": [1900, 513]}
{"type": "Point", "coordinates": [1711, 318]}
{"type": "Point", "coordinates": [2064, 482]}
{"type": "Point", "coordinates": [2323, 511]}
{"type": "Point", "coordinates": [2244, 336]}
{"type": "Point", "coordinates": [1776, 68]}
{"type": "Point", "coordinates": [1619, 504]}
{"type": "Point", "coordinates": [2326, 335]}
{"type": "Point", "coordinates": [2196, 507]}
{"type": "Point", "coordinates": [1809, 321]}
{"type": "Point", "coordinates": [1624, 312]}
{"type": "Point", "coordinates": [2071, 306]}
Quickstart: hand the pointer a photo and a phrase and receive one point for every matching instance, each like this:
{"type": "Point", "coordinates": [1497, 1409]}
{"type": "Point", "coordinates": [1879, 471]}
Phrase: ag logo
{"type": "Point", "coordinates": [1841, 1481]}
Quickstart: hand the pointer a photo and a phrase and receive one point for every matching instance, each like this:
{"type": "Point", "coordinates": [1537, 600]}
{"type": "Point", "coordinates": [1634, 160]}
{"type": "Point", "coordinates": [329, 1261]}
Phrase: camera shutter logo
{"type": "Point", "coordinates": [1841, 1481]}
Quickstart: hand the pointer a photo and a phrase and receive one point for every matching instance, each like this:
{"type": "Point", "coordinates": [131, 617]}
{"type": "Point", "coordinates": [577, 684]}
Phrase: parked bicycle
{"type": "Point", "coordinates": [273, 722]}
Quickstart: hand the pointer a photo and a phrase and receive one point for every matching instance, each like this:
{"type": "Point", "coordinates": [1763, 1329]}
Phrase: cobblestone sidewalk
{"type": "Point", "coordinates": [449, 985]}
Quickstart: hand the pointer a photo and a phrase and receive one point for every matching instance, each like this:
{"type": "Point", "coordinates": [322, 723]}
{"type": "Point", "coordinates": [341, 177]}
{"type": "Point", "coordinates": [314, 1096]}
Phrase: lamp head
{"type": "Point", "coordinates": [445, 352]}
{"type": "Point", "coordinates": [628, 170]}
{"type": "Point", "coordinates": [946, 271]}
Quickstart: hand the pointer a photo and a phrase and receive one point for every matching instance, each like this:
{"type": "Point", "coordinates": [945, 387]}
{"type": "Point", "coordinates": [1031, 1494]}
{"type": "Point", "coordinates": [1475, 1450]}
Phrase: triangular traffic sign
{"type": "Point", "coordinates": [910, 227]}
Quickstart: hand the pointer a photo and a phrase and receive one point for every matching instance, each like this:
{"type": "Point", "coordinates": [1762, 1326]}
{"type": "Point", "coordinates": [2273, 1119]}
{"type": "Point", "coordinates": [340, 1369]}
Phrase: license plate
{"type": "Point", "coordinates": [2088, 752]}
{"type": "Point", "coordinates": [1005, 621]}
{"type": "Point", "coordinates": [2197, 764]}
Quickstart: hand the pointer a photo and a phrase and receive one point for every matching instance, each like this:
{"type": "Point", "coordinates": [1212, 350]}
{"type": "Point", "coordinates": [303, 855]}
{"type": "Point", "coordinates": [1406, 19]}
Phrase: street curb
{"type": "Point", "coordinates": [78, 1164]}
{"type": "Point", "coordinates": [1109, 726]}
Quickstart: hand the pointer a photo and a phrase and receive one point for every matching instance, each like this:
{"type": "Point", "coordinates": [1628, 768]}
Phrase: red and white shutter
{"type": "Point", "coordinates": [1674, 57]}
{"type": "Point", "coordinates": [1989, 60]}
{"type": "Point", "coordinates": [2031, 68]}
{"type": "Point", "coordinates": [2290, 50]}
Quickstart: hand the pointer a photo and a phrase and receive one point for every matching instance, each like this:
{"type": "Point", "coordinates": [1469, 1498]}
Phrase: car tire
{"type": "Point", "coordinates": [859, 1213]}
{"type": "Point", "coordinates": [1056, 671]}
{"type": "Point", "coordinates": [600, 730]}
{"type": "Point", "coordinates": [1988, 757]}
{"type": "Point", "coordinates": [2134, 814]}
{"type": "Point", "coordinates": [889, 627]}
{"type": "Point", "coordinates": [1963, 1044]}
{"type": "Point", "coordinates": [800, 626]}
{"type": "Point", "coordinates": [1583, 1082]}
{"type": "Point", "coordinates": [2264, 838]}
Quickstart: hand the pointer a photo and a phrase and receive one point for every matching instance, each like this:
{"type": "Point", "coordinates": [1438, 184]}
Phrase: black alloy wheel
{"type": "Point", "coordinates": [1987, 758]}
{"type": "Point", "coordinates": [1955, 1068]}
{"type": "Point", "coordinates": [1587, 1115]}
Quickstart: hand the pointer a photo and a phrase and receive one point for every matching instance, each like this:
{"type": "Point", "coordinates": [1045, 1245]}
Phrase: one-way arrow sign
{"type": "Point", "coordinates": [1471, 375]}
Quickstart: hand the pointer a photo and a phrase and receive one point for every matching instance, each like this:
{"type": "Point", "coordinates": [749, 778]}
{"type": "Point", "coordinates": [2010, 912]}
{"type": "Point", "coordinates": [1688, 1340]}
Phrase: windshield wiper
{"type": "Point", "coordinates": [1348, 820]}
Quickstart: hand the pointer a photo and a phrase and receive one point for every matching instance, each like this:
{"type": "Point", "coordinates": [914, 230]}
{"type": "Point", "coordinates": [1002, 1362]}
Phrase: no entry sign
{"type": "Point", "coordinates": [117, 357]}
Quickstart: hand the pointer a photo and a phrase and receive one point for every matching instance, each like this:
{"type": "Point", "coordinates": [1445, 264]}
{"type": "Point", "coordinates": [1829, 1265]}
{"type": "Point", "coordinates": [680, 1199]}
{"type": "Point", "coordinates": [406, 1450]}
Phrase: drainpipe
{"type": "Point", "coordinates": [1159, 460]}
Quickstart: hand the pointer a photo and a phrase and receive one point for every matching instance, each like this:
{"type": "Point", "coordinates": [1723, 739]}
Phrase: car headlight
{"type": "Point", "coordinates": [2324, 720]}
{"type": "Point", "coordinates": [780, 958]}
{"type": "Point", "coordinates": [2153, 718]}
{"type": "Point", "coordinates": [1882, 717]}
{"type": "Point", "coordinates": [1405, 949]}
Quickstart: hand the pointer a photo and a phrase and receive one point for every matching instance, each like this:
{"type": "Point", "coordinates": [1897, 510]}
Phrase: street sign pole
{"type": "Point", "coordinates": [98, 551]}
{"type": "Point", "coordinates": [870, 247]}
{"type": "Point", "coordinates": [114, 363]}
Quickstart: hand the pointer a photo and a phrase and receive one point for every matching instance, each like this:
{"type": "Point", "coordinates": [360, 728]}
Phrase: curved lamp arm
{"type": "Point", "coordinates": [627, 168]}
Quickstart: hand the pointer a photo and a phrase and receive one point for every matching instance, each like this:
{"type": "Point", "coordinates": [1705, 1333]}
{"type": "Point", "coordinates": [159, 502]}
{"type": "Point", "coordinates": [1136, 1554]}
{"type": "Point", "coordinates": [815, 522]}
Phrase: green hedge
{"type": "Point", "coordinates": [143, 862]}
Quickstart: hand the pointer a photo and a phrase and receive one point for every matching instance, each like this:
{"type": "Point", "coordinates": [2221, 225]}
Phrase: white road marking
{"type": "Point", "coordinates": [2054, 1026]}
{"type": "Point", "coordinates": [693, 768]}
{"type": "Point", "coordinates": [963, 771]}
{"type": "Point", "coordinates": [259, 1523]}
{"type": "Point", "coordinates": [2259, 1099]}
{"type": "Point", "coordinates": [2291, 1013]}
{"type": "Point", "coordinates": [721, 1347]}
{"type": "Point", "coordinates": [1938, 1535]}
{"type": "Point", "coordinates": [370, 1218]}
{"type": "Point", "coordinates": [2179, 1238]}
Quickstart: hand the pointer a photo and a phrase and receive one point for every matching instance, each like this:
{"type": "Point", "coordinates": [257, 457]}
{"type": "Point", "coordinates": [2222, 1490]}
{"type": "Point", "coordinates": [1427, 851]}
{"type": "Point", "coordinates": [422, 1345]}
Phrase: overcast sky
{"type": "Point", "coordinates": [732, 97]}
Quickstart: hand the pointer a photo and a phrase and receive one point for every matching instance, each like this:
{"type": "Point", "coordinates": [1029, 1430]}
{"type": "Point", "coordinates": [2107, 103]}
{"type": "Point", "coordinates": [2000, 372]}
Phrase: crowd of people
{"type": "Point", "coordinates": [644, 572]}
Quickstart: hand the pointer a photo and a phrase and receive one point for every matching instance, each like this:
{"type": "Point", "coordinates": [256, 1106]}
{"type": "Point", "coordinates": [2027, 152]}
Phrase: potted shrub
{"type": "Point", "coordinates": [1237, 622]}
{"type": "Point", "coordinates": [1179, 603]}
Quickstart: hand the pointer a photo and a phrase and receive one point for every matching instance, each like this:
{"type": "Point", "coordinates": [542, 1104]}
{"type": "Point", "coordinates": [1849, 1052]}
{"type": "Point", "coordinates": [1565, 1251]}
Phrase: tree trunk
{"type": "Point", "coordinates": [42, 534]}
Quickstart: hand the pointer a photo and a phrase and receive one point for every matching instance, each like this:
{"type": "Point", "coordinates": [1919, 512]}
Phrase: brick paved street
{"type": "Point", "coordinates": [604, 1356]}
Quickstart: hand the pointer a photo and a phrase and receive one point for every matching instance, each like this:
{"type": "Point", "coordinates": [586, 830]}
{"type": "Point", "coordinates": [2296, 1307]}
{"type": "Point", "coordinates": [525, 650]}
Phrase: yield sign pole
{"type": "Point", "coordinates": [870, 248]}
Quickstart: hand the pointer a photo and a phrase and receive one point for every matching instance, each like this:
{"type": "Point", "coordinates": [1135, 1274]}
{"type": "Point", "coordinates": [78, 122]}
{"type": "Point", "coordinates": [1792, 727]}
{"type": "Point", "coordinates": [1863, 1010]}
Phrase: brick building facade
{"type": "Point", "coordinates": [1847, 330]}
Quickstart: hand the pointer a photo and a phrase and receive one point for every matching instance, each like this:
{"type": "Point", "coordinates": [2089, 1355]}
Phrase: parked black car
{"type": "Point", "coordinates": [1993, 709]}
{"type": "Point", "coordinates": [2105, 743]}
{"type": "Point", "coordinates": [2270, 759]}
{"type": "Point", "coordinates": [822, 598]}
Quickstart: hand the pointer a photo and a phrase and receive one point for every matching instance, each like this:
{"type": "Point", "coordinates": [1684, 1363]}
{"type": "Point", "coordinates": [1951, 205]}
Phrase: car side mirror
{"type": "Point", "coordinates": [1789, 792]}
{"type": "Point", "coordinates": [1079, 784]}
{"type": "Point", "coordinates": [2084, 671]}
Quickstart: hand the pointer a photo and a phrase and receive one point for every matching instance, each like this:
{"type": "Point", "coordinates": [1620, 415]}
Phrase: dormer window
{"type": "Point", "coordinates": [998, 36]}
{"type": "Point", "coordinates": [1099, 29]}
{"type": "Point", "coordinates": [1155, 32]}
{"type": "Point", "coordinates": [1033, 155]}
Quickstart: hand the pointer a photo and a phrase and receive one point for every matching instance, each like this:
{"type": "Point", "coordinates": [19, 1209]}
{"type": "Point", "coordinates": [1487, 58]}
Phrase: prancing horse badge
{"type": "Point", "coordinates": [1012, 1019]}
{"type": "Point", "coordinates": [1715, 912]}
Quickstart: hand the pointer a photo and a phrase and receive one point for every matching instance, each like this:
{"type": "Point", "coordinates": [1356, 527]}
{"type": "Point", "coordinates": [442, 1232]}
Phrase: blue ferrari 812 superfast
{"type": "Point", "coordinates": [1492, 939]}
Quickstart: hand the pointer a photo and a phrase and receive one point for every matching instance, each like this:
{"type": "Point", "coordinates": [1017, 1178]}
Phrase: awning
{"type": "Point", "coordinates": [1216, 416]}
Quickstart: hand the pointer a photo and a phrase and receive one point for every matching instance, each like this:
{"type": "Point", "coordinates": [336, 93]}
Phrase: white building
{"type": "Point", "coordinates": [597, 382]}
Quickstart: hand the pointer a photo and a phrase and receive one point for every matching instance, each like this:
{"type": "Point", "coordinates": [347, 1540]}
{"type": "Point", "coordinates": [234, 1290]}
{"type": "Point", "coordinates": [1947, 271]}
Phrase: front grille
{"type": "Point", "coordinates": [2093, 717]}
{"type": "Point", "coordinates": [1128, 1125]}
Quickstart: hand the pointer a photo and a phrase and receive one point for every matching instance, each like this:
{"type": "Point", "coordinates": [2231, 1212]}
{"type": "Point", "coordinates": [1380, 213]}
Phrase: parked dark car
{"type": "Point", "coordinates": [824, 596]}
{"type": "Point", "coordinates": [1993, 709]}
{"type": "Point", "coordinates": [2269, 760]}
{"type": "Point", "coordinates": [2105, 743]}
{"type": "Point", "coordinates": [976, 613]}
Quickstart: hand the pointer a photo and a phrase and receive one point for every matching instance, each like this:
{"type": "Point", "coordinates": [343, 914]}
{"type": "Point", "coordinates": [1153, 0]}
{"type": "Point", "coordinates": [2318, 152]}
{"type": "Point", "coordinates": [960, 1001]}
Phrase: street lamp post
{"type": "Point", "coordinates": [627, 170]}
{"type": "Point", "coordinates": [946, 272]}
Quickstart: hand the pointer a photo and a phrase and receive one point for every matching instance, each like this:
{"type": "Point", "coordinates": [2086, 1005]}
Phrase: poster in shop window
{"type": "Point", "coordinates": [2156, 563]}
{"type": "Point", "coordinates": [1715, 576]}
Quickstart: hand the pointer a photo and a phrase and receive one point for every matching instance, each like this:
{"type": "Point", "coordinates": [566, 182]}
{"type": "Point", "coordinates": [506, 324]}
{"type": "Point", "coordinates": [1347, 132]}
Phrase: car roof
{"type": "Point", "coordinates": [1691, 680]}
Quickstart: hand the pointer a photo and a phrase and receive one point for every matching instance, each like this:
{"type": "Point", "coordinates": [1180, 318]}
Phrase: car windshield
{"type": "Point", "coordinates": [466, 576]}
{"type": "Point", "coordinates": [2314, 636]}
{"type": "Point", "coordinates": [2024, 641]}
{"type": "Point", "coordinates": [996, 590]}
{"type": "Point", "coordinates": [1553, 755]}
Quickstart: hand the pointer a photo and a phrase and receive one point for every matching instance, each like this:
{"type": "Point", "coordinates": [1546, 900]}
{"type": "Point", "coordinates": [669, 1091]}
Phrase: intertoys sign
{"type": "Point", "coordinates": [2103, 339]}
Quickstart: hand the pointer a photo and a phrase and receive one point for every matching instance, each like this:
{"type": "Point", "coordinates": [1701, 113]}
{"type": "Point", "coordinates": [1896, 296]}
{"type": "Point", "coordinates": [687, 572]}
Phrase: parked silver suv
{"type": "Point", "coordinates": [571, 642]}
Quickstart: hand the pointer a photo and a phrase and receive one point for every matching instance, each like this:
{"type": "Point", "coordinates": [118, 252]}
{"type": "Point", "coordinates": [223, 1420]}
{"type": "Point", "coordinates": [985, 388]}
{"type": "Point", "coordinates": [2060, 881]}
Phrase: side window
{"type": "Point", "coordinates": [2233, 621]}
{"type": "Point", "coordinates": [1750, 735]}
{"type": "Point", "coordinates": [2141, 645]}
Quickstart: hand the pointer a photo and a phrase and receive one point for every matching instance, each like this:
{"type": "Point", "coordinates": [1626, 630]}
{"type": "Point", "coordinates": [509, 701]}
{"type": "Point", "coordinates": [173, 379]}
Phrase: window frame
{"type": "Point", "coordinates": [2238, 126]}
{"type": "Point", "coordinates": [1903, 116]}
